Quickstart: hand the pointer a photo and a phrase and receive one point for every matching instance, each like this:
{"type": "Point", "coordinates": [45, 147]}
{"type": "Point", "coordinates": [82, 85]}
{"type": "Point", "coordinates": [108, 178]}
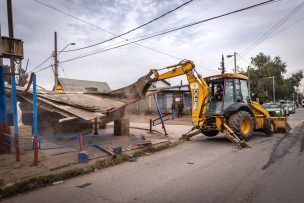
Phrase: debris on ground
{"type": "Point", "coordinates": [84, 185]}
{"type": "Point", "coordinates": [83, 157]}
{"type": "Point", "coordinates": [133, 159]}
{"type": "Point", "coordinates": [145, 143]}
{"type": "Point", "coordinates": [58, 182]}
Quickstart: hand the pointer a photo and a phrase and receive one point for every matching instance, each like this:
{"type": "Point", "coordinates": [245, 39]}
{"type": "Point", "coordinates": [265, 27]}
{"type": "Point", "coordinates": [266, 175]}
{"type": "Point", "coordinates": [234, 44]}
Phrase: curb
{"type": "Point", "coordinates": [43, 181]}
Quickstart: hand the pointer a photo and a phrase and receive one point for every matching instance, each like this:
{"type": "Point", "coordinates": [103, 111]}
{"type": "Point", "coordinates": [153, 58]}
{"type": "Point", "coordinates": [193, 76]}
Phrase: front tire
{"type": "Point", "coordinates": [268, 127]}
{"type": "Point", "coordinates": [241, 123]}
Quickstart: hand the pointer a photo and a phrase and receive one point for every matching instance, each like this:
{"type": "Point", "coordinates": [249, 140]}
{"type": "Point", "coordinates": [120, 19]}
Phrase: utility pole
{"type": "Point", "coordinates": [10, 30]}
{"type": "Point", "coordinates": [234, 54]}
{"type": "Point", "coordinates": [55, 61]}
{"type": "Point", "coordinates": [234, 57]}
{"type": "Point", "coordinates": [222, 68]}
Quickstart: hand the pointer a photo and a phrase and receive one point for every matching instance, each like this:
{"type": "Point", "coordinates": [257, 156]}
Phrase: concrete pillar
{"type": "Point", "coordinates": [25, 138]}
{"type": "Point", "coordinates": [121, 127]}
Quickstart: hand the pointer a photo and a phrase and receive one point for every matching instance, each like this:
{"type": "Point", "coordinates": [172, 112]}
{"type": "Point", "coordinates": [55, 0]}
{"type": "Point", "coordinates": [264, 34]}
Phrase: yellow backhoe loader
{"type": "Point", "coordinates": [220, 103]}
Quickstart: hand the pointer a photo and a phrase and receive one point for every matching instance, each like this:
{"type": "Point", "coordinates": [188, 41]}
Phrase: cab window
{"type": "Point", "coordinates": [245, 92]}
{"type": "Point", "coordinates": [238, 91]}
{"type": "Point", "coordinates": [229, 97]}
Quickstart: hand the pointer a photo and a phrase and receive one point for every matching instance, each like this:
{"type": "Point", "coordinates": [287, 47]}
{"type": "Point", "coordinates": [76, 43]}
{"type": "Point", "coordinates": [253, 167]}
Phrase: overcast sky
{"type": "Point", "coordinates": [204, 43]}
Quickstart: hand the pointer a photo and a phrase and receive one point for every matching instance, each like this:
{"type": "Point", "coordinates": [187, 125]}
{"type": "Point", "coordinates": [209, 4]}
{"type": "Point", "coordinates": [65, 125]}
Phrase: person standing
{"type": "Point", "coordinates": [180, 107]}
{"type": "Point", "coordinates": [173, 108]}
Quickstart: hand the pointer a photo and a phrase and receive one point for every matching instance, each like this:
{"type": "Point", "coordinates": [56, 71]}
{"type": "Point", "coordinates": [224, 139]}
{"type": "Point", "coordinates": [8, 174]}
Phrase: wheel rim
{"type": "Point", "coordinates": [245, 126]}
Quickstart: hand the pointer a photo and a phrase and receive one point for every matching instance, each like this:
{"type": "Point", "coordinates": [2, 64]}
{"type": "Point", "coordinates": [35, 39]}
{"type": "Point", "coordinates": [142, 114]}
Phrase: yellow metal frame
{"type": "Point", "coordinates": [198, 87]}
{"type": "Point", "coordinates": [227, 75]}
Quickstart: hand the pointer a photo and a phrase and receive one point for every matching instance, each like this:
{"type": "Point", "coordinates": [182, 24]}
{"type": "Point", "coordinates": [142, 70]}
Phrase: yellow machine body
{"type": "Point", "coordinates": [242, 118]}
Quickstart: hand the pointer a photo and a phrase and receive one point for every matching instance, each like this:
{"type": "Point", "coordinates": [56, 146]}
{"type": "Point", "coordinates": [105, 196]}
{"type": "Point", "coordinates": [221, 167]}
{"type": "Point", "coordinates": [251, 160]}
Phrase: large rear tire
{"type": "Point", "coordinates": [241, 123]}
{"type": "Point", "coordinates": [210, 133]}
{"type": "Point", "coordinates": [268, 127]}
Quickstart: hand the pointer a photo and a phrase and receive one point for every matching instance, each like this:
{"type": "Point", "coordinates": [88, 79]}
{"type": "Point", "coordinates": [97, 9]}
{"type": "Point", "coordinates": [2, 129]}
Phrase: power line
{"type": "Point", "coordinates": [243, 59]}
{"type": "Point", "coordinates": [100, 28]}
{"type": "Point", "coordinates": [287, 27]}
{"type": "Point", "coordinates": [50, 66]}
{"type": "Point", "coordinates": [268, 34]}
{"type": "Point", "coordinates": [266, 2]}
{"type": "Point", "coordinates": [136, 28]}
{"type": "Point", "coordinates": [44, 61]}
{"type": "Point", "coordinates": [172, 30]}
{"type": "Point", "coordinates": [273, 29]}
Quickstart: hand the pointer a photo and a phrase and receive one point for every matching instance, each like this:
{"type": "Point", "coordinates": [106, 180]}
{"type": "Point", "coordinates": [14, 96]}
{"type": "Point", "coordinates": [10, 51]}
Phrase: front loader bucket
{"type": "Point", "coordinates": [281, 125]}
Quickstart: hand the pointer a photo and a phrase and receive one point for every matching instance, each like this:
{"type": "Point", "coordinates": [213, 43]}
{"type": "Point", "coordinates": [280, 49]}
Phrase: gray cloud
{"type": "Point", "coordinates": [204, 43]}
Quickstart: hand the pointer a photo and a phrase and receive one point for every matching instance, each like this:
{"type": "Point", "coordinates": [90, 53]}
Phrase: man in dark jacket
{"type": "Point", "coordinates": [180, 107]}
{"type": "Point", "coordinates": [173, 108]}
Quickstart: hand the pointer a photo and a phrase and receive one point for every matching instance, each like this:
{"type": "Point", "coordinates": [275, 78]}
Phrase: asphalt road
{"type": "Point", "coordinates": [202, 170]}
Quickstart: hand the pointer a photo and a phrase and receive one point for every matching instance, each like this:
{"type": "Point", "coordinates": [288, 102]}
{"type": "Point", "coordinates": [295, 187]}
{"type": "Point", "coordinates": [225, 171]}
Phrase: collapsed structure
{"type": "Point", "coordinates": [89, 106]}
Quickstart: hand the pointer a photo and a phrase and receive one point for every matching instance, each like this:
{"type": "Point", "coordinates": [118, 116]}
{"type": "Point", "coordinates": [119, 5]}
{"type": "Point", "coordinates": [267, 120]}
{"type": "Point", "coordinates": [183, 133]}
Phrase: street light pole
{"type": "Point", "coordinates": [234, 57]}
{"type": "Point", "coordinates": [56, 53]}
{"type": "Point", "coordinates": [273, 88]}
{"type": "Point", "coordinates": [234, 54]}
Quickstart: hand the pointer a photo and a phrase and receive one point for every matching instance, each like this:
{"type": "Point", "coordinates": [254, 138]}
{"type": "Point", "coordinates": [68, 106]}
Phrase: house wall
{"type": "Point", "coordinates": [164, 99]}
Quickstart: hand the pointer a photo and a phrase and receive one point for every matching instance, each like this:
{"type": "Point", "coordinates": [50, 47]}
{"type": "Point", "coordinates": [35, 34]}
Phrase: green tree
{"type": "Point", "coordinates": [261, 84]}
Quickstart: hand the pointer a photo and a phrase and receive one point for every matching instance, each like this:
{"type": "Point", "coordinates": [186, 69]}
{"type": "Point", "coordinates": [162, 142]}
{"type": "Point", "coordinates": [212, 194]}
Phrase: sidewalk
{"type": "Point", "coordinates": [54, 161]}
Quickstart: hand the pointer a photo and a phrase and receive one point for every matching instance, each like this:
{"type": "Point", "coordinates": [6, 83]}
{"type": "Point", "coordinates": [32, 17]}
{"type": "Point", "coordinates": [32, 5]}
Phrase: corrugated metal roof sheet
{"type": "Point", "coordinates": [73, 85]}
{"type": "Point", "coordinates": [88, 106]}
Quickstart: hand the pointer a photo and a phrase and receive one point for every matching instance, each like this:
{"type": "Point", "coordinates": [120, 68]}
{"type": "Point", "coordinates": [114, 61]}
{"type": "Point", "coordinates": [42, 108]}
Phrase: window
{"type": "Point", "coordinates": [245, 92]}
{"type": "Point", "coordinates": [238, 91]}
{"type": "Point", "coordinates": [229, 93]}
{"type": "Point", "coordinates": [214, 106]}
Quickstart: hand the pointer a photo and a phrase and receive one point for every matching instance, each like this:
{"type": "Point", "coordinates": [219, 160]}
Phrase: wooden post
{"type": "Point", "coordinates": [80, 143]}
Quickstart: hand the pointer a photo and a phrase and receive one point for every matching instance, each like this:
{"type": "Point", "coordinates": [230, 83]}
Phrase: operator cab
{"type": "Point", "coordinates": [226, 90]}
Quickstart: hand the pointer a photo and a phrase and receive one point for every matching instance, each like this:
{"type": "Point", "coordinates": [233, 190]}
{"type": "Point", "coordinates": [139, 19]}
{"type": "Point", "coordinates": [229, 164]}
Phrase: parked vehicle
{"type": "Point", "coordinates": [291, 107]}
{"type": "Point", "coordinates": [302, 102]}
{"type": "Point", "coordinates": [288, 105]}
{"type": "Point", "coordinates": [274, 109]}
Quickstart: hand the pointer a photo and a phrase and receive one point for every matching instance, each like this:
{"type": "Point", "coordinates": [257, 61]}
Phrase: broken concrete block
{"type": "Point", "coordinates": [25, 138]}
{"type": "Point", "coordinates": [121, 127]}
{"type": "Point", "coordinates": [23, 130]}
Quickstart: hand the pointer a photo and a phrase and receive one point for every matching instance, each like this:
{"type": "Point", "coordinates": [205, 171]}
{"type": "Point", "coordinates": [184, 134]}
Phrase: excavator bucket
{"type": "Point", "coordinates": [136, 90]}
{"type": "Point", "coordinates": [281, 125]}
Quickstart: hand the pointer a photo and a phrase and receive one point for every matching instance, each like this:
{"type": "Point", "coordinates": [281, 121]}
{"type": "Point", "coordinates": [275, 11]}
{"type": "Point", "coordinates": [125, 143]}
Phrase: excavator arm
{"type": "Point", "coordinates": [198, 86]}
